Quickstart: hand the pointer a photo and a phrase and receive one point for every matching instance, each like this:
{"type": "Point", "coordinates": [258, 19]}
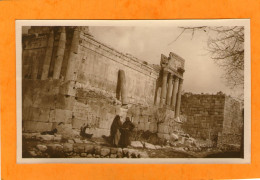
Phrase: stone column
{"type": "Point", "coordinates": [169, 90]}
{"type": "Point", "coordinates": [178, 105]}
{"type": "Point", "coordinates": [60, 54]}
{"type": "Point", "coordinates": [122, 81]}
{"type": "Point", "coordinates": [35, 64]}
{"type": "Point", "coordinates": [158, 96]}
{"type": "Point", "coordinates": [48, 55]}
{"type": "Point", "coordinates": [155, 95]}
{"type": "Point", "coordinates": [73, 55]}
{"type": "Point", "coordinates": [164, 86]}
{"type": "Point", "coordinates": [174, 92]}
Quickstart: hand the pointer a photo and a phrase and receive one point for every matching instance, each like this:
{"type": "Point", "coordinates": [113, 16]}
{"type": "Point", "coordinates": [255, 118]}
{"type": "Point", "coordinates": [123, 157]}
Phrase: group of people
{"type": "Point", "coordinates": [120, 133]}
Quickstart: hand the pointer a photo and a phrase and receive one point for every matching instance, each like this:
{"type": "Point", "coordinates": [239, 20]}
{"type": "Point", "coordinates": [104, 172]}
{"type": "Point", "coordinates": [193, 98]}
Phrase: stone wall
{"type": "Point", "coordinates": [71, 79]}
{"type": "Point", "coordinates": [89, 94]}
{"type": "Point", "coordinates": [154, 119]}
{"type": "Point", "coordinates": [232, 124]}
{"type": "Point", "coordinates": [212, 117]}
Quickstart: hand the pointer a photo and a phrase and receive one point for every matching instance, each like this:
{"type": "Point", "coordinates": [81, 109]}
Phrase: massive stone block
{"type": "Point", "coordinates": [35, 126]}
{"type": "Point", "coordinates": [39, 114]}
{"type": "Point", "coordinates": [60, 115]}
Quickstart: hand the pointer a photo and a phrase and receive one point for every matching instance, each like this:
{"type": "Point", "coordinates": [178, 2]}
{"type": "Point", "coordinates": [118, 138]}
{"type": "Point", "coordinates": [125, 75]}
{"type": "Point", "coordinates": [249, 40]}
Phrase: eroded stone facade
{"type": "Point", "coordinates": [69, 77]}
{"type": "Point", "coordinates": [216, 117]}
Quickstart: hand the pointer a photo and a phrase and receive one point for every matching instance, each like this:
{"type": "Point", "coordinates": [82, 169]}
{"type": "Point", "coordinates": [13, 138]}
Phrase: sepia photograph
{"type": "Point", "coordinates": [133, 91]}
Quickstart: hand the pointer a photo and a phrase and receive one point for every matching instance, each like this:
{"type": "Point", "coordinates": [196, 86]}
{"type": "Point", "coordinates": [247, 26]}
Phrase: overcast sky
{"type": "Point", "coordinates": [201, 75]}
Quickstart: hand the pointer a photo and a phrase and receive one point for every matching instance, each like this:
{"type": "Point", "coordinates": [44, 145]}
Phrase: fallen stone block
{"type": "Point", "coordinates": [68, 147]}
{"type": "Point", "coordinates": [76, 140]}
{"type": "Point", "coordinates": [113, 155]}
{"type": "Point", "coordinates": [89, 156]}
{"type": "Point", "coordinates": [143, 155]}
{"type": "Point", "coordinates": [32, 153]}
{"type": "Point", "coordinates": [89, 148]}
{"type": "Point", "coordinates": [79, 148]}
{"type": "Point", "coordinates": [119, 155]}
{"type": "Point", "coordinates": [132, 153]}
{"type": "Point", "coordinates": [70, 141]}
{"type": "Point", "coordinates": [149, 146]}
{"type": "Point", "coordinates": [30, 135]}
{"type": "Point", "coordinates": [158, 147]}
{"type": "Point", "coordinates": [55, 147]}
{"type": "Point", "coordinates": [137, 144]}
{"type": "Point", "coordinates": [41, 147]}
{"type": "Point", "coordinates": [125, 151]}
{"type": "Point", "coordinates": [97, 150]}
{"type": "Point", "coordinates": [45, 137]}
{"type": "Point", "coordinates": [113, 150]}
{"type": "Point", "coordinates": [83, 154]}
{"type": "Point", "coordinates": [57, 137]}
{"type": "Point", "coordinates": [174, 137]}
{"type": "Point", "coordinates": [104, 152]}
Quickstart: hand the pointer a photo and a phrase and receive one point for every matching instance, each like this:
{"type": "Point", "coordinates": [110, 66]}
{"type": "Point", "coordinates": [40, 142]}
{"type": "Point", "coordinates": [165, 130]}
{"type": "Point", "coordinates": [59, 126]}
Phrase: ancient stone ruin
{"type": "Point", "coordinates": [70, 79]}
{"type": "Point", "coordinates": [217, 118]}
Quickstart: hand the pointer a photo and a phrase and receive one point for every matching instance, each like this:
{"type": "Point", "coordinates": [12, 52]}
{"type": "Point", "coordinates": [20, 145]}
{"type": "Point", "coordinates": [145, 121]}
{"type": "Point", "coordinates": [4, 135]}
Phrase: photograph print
{"type": "Point", "coordinates": [133, 91]}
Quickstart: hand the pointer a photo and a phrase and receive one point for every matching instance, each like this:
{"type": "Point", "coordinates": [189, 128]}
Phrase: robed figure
{"type": "Point", "coordinates": [115, 131]}
{"type": "Point", "coordinates": [126, 131]}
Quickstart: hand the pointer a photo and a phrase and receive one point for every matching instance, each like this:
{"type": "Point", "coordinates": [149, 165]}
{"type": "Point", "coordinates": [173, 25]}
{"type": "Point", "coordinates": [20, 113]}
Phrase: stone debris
{"type": "Point", "coordinates": [71, 141]}
{"type": "Point", "coordinates": [83, 154]}
{"type": "Point", "coordinates": [79, 148]}
{"type": "Point", "coordinates": [45, 137]}
{"type": "Point", "coordinates": [158, 147]}
{"type": "Point", "coordinates": [41, 147]}
{"type": "Point", "coordinates": [149, 146]}
{"type": "Point", "coordinates": [33, 153]}
{"type": "Point", "coordinates": [173, 137]}
{"type": "Point", "coordinates": [97, 150]}
{"type": "Point", "coordinates": [113, 150]}
{"type": "Point", "coordinates": [113, 155]}
{"type": "Point", "coordinates": [76, 140]}
{"type": "Point", "coordinates": [137, 144]}
{"type": "Point", "coordinates": [104, 152]}
{"type": "Point", "coordinates": [57, 137]}
{"type": "Point", "coordinates": [30, 135]}
{"type": "Point", "coordinates": [67, 147]}
{"type": "Point", "coordinates": [89, 156]}
{"type": "Point", "coordinates": [89, 148]}
{"type": "Point", "coordinates": [143, 154]}
{"type": "Point", "coordinates": [55, 147]}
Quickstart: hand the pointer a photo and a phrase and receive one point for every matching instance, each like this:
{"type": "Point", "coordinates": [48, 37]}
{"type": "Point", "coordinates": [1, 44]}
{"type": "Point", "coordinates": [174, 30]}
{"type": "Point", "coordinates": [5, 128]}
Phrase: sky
{"type": "Point", "coordinates": [201, 75]}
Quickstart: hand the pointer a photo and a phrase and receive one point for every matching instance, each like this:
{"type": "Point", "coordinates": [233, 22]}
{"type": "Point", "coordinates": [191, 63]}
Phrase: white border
{"type": "Point", "coordinates": [213, 22]}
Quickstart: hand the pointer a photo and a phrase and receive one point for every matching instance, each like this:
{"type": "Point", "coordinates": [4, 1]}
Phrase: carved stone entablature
{"type": "Point", "coordinates": [173, 64]}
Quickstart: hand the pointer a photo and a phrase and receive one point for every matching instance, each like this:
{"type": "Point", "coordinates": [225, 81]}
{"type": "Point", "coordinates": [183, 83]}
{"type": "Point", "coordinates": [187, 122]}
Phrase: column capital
{"type": "Point", "coordinates": [180, 81]}
{"type": "Point", "coordinates": [165, 71]}
{"type": "Point", "coordinates": [176, 78]}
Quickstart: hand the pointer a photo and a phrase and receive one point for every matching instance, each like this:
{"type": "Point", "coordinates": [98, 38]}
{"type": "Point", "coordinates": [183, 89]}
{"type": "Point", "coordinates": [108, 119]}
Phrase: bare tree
{"type": "Point", "coordinates": [226, 47]}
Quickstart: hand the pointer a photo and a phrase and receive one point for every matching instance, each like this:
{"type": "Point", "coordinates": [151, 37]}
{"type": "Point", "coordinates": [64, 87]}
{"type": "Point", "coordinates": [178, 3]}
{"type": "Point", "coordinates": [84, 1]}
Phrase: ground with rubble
{"type": "Point", "coordinates": [36, 145]}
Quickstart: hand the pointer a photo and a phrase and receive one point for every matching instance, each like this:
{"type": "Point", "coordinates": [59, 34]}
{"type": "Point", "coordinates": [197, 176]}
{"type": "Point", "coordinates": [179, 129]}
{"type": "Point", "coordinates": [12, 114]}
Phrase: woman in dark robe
{"type": "Point", "coordinates": [126, 131]}
{"type": "Point", "coordinates": [114, 131]}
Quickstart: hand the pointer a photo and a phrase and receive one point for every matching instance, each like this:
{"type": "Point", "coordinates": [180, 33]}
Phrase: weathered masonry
{"type": "Point", "coordinates": [217, 118]}
{"type": "Point", "coordinates": [169, 84]}
{"type": "Point", "coordinates": [70, 77]}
